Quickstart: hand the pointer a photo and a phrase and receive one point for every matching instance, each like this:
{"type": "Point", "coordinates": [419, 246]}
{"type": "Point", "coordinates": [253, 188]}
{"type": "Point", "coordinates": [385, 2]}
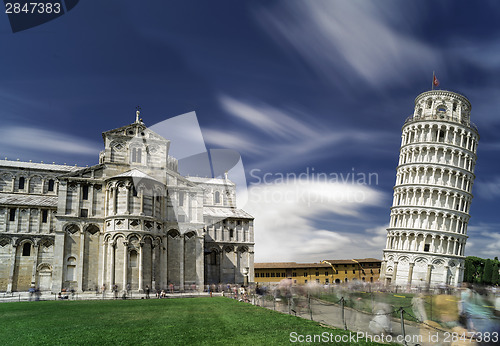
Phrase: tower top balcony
{"type": "Point", "coordinates": [442, 105]}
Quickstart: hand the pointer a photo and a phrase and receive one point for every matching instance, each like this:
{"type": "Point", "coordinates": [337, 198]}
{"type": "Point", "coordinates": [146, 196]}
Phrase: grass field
{"type": "Point", "coordinates": [189, 321]}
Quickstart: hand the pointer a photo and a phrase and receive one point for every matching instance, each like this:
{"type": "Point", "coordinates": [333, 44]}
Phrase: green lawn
{"type": "Point", "coordinates": [185, 321]}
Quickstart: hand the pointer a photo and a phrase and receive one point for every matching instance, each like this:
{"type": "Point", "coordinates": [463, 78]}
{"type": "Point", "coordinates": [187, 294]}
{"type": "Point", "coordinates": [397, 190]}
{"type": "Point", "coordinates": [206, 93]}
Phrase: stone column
{"type": "Point", "coordinates": [78, 199]}
{"type": "Point", "coordinates": [125, 265]}
{"type": "Point", "coordinates": [251, 273]}
{"type": "Point", "coordinates": [154, 247]}
{"type": "Point", "coordinates": [91, 200]}
{"type": "Point", "coordinates": [165, 262]}
{"type": "Point", "coordinates": [80, 262]}
{"type": "Point", "coordinates": [141, 251]}
{"type": "Point", "coordinates": [115, 199]}
{"type": "Point", "coordinates": [221, 261]}
{"type": "Point", "coordinates": [237, 268]}
{"type": "Point", "coordinates": [127, 204]}
{"type": "Point", "coordinates": [35, 263]}
{"type": "Point", "coordinates": [394, 273]}
{"type": "Point", "coordinates": [429, 274]}
{"type": "Point", "coordinates": [457, 275]}
{"type": "Point", "coordinates": [106, 201]}
{"type": "Point", "coordinates": [18, 220]}
{"type": "Point", "coordinates": [181, 263]}
{"type": "Point", "coordinates": [142, 201]}
{"type": "Point", "coordinates": [12, 267]}
{"type": "Point", "coordinates": [446, 277]}
{"type": "Point", "coordinates": [103, 256]}
{"type": "Point", "coordinates": [382, 270]}
{"type": "Point", "coordinates": [200, 257]}
{"type": "Point", "coordinates": [410, 273]}
{"type": "Point", "coordinates": [28, 228]}
{"type": "Point", "coordinates": [111, 249]}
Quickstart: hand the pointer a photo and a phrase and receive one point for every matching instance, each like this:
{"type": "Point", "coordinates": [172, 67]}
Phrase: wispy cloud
{"type": "Point", "coordinates": [349, 39]}
{"type": "Point", "coordinates": [488, 189]}
{"type": "Point", "coordinates": [278, 137]}
{"type": "Point", "coordinates": [18, 139]}
{"type": "Point", "coordinates": [285, 215]}
{"type": "Point", "coordinates": [266, 118]}
{"type": "Point", "coordinates": [484, 240]}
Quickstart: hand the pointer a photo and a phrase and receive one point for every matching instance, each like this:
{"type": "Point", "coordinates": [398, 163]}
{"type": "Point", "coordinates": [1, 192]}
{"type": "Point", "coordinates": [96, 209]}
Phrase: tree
{"type": "Point", "coordinates": [494, 275]}
{"type": "Point", "coordinates": [488, 272]}
{"type": "Point", "coordinates": [469, 270]}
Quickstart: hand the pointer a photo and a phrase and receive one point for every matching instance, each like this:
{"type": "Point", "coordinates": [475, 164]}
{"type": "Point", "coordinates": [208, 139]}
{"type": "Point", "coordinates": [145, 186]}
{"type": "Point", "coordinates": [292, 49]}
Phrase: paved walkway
{"type": "Point", "coordinates": [357, 321]}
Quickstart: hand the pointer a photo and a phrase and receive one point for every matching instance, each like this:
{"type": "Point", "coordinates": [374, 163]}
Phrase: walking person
{"type": "Point", "coordinates": [147, 292]}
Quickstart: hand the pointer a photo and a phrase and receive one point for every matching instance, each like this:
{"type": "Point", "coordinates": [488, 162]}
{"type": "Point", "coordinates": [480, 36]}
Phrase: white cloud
{"type": "Point", "coordinates": [225, 139]}
{"type": "Point", "coordinates": [285, 216]}
{"type": "Point", "coordinates": [40, 140]}
{"type": "Point", "coordinates": [349, 38]}
{"type": "Point", "coordinates": [484, 240]}
{"type": "Point", "coordinates": [266, 118]}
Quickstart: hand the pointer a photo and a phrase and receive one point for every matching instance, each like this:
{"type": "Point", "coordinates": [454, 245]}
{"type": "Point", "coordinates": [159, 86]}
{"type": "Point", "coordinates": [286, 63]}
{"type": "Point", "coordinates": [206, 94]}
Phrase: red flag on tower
{"type": "Point", "coordinates": [435, 81]}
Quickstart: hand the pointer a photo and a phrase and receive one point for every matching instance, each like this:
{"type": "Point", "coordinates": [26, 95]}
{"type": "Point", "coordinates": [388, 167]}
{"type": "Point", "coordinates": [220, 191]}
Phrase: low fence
{"type": "Point", "coordinates": [405, 318]}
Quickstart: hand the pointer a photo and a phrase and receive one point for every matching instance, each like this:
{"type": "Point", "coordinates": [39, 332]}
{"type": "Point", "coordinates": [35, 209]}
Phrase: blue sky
{"type": "Point", "coordinates": [292, 85]}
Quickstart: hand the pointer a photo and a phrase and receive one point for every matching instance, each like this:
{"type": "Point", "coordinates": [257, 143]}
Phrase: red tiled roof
{"type": "Point", "coordinates": [291, 265]}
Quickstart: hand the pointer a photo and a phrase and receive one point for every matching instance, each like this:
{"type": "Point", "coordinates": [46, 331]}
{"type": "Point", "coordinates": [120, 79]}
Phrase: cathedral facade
{"type": "Point", "coordinates": [132, 221]}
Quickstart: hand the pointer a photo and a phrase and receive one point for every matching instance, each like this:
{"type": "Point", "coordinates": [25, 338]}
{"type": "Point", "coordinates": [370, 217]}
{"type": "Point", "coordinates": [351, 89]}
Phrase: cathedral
{"type": "Point", "coordinates": [132, 221]}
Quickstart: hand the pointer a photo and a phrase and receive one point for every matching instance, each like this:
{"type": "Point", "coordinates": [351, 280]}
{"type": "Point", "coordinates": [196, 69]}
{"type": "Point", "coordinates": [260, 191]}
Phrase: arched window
{"type": "Point", "coordinates": [51, 185]}
{"type": "Point", "coordinates": [217, 197]}
{"type": "Point", "coordinates": [21, 183]}
{"type": "Point", "coordinates": [27, 249]}
{"type": "Point", "coordinates": [133, 258]}
{"type": "Point", "coordinates": [12, 214]}
{"type": "Point", "coordinates": [136, 155]}
{"type": "Point", "coordinates": [231, 233]}
{"type": "Point", "coordinates": [213, 257]}
{"type": "Point", "coordinates": [85, 192]}
{"type": "Point", "coordinates": [71, 269]}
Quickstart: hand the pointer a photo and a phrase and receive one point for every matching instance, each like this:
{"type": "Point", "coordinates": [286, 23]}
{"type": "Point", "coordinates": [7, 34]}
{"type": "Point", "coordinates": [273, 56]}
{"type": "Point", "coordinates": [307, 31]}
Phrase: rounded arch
{"type": "Point", "coordinates": [133, 237]}
{"type": "Point", "coordinates": [71, 259]}
{"type": "Point", "coordinates": [173, 233]}
{"type": "Point", "coordinates": [438, 262]}
{"type": "Point", "coordinates": [22, 241]}
{"type": "Point", "coordinates": [228, 248]}
{"type": "Point", "coordinates": [190, 235]}
{"type": "Point", "coordinates": [71, 228]}
{"type": "Point", "coordinates": [44, 266]}
{"type": "Point", "coordinates": [147, 238]}
{"type": "Point", "coordinates": [119, 235]}
{"type": "Point", "coordinates": [4, 241]}
{"type": "Point", "coordinates": [217, 197]}
{"type": "Point", "coordinates": [91, 228]}
{"type": "Point", "coordinates": [46, 242]}
{"type": "Point", "coordinates": [243, 248]}
{"type": "Point", "coordinates": [214, 248]}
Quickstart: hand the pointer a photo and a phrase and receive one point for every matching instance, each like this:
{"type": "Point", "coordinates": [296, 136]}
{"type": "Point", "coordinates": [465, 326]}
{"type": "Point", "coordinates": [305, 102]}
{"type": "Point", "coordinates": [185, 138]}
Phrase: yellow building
{"type": "Point", "coordinates": [326, 272]}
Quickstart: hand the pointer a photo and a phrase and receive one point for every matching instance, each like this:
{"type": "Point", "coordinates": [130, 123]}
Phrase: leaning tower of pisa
{"type": "Point", "coordinates": [432, 196]}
